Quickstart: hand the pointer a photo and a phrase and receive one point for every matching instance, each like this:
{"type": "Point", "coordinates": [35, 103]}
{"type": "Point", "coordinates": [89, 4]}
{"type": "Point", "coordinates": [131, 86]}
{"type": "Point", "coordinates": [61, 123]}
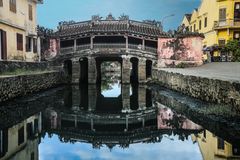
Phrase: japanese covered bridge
{"type": "Point", "coordinates": [85, 45]}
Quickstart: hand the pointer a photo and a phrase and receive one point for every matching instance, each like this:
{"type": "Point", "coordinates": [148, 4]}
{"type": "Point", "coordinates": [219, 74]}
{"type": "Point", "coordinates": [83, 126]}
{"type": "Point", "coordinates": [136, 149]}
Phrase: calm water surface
{"type": "Point", "coordinates": [114, 121]}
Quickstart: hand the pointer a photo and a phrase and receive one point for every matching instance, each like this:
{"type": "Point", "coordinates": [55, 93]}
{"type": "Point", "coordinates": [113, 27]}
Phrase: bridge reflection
{"type": "Point", "coordinates": [117, 129]}
{"type": "Point", "coordinates": [90, 98]}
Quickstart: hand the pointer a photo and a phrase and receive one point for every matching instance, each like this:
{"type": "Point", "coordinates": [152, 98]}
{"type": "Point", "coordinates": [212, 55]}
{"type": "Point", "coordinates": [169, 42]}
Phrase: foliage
{"type": "Point", "coordinates": [233, 47]}
{"type": "Point", "coordinates": [45, 32]}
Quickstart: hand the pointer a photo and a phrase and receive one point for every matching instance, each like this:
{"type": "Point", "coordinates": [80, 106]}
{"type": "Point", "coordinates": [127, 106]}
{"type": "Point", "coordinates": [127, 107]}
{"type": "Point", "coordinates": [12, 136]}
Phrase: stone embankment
{"type": "Point", "coordinates": [204, 88]}
{"type": "Point", "coordinates": [21, 85]}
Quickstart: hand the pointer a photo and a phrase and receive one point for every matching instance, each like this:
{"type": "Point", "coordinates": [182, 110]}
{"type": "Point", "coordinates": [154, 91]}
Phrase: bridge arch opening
{"type": "Point", "coordinates": [68, 68]}
{"type": "Point", "coordinates": [134, 98]}
{"type": "Point", "coordinates": [109, 69]}
{"type": "Point", "coordinates": [134, 70]}
{"type": "Point", "coordinates": [83, 70]}
{"type": "Point", "coordinates": [149, 69]}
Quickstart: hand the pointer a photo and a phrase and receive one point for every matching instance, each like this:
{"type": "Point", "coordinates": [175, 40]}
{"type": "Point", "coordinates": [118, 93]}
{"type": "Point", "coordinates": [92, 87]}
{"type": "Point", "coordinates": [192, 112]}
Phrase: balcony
{"type": "Point", "coordinates": [228, 23]}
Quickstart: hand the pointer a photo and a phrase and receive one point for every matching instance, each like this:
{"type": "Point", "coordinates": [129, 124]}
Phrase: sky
{"type": "Point", "coordinates": [54, 11]}
{"type": "Point", "coordinates": [169, 148]}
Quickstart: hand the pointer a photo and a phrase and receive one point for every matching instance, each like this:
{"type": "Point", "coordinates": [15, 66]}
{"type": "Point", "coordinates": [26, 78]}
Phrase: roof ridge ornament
{"type": "Point", "coordinates": [124, 17]}
{"type": "Point", "coordinates": [110, 17]}
{"type": "Point", "coordinates": [96, 18]}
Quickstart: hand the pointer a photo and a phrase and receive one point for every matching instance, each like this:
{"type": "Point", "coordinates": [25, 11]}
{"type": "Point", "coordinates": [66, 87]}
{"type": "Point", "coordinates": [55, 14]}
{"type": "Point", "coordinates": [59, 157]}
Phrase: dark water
{"type": "Point", "coordinates": [115, 121]}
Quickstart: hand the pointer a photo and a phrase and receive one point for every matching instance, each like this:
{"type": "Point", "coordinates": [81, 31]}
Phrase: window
{"type": "Point", "coordinates": [32, 156]}
{"type": "Point", "coordinates": [34, 45]}
{"type": "Point", "coordinates": [204, 134]}
{"type": "Point", "coordinates": [3, 44]}
{"type": "Point", "coordinates": [21, 135]}
{"type": "Point", "coordinates": [222, 14]}
{"type": "Point", "coordinates": [200, 25]}
{"type": "Point", "coordinates": [19, 42]}
{"type": "Point", "coordinates": [28, 44]}
{"type": "Point", "coordinates": [29, 130]}
{"type": "Point", "coordinates": [220, 144]}
{"type": "Point", "coordinates": [236, 35]}
{"type": "Point", "coordinates": [205, 22]}
{"type": "Point", "coordinates": [1, 3]}
{"type": "Point", "coordinates": [13, 5]}
{"type": "Point", "coordinates": [3, 142]}
{"type": "Point", "coordinates": [194, 27]}
{"type": "Point", "coordinates": [237, 12]}
{"type": "Point", "coordinates": [191, 28]}
{"type": "Point", "coordinates": [30, 12]}
{"type": "Point", "coordinates": [221, 42]}
{"type": "Point", "coordinates": [236, 150]}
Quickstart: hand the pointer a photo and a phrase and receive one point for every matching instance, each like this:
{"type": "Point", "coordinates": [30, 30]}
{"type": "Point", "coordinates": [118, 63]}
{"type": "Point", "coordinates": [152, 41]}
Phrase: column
{"type": "Point", "coordinates": [142, 70]}
{"type": "Point", "coordinates": [39, 48]}
{"type": "Point", "coordinates": [75, 121]}
{"type": "Point", "coordinates": [143, 44]}
{"type": "Point", "coordinates": [92, 98]}
{"type": "Point", "coordinates": [126, 69]}
{"type": "Point", "coordinates": [126, 43]}
{"type": "Point", "coordinates": [92, 70]}
{"type": "Point", "coordinates": [75, 97]}
{"type": "Point", "coordinates": [142, 97]}
{"type": "Point", "coordinates": [75, 45]}
{"type": "Point", "coordinates": [75, 71]}
{"type": "Point", "coordinates": [126, 98]}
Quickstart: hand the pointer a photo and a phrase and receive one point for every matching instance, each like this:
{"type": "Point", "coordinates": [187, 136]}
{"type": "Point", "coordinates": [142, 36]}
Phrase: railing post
{"type": "Point", "coordinates": [143, 44]}
{"type": "Point", "coordinates": [92, 37]}
{"type": "Point", "coordinates": [75, 45]}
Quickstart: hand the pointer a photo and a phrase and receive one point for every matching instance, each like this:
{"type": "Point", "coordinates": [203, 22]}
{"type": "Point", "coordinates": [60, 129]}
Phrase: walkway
{"type": "Point", "coordinates": [222, 70]}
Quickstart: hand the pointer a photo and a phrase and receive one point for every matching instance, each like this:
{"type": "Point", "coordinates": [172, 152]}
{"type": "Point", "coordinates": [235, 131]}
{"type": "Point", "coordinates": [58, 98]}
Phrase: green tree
{"type": "Point", "coordinates": [233, 47]}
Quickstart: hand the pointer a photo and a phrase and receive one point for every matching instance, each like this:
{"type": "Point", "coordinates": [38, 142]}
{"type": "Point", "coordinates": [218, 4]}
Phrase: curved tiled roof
{"type": "Point", "coordinates": [110, 26]}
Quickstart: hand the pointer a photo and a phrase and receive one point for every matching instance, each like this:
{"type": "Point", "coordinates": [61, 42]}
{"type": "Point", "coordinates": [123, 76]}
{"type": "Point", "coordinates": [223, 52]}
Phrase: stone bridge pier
{"type": "Point", "coordinates": [88, 69]}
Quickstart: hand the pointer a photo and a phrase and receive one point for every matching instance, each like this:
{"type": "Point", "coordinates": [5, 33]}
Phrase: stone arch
{"type": "Point", "coordinates": [134, 98]}
{"type": "Point", "coordinates": [101, 60]}
{"type": "Point", "coordinates": [149, 65]}
{"type": "Point", "coordinates": [83, 70]}
{"type": "Point", "coordinates": [134, 71]}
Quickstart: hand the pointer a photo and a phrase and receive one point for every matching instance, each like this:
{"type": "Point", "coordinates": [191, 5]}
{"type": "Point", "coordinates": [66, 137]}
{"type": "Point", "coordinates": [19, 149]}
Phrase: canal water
{"type": "Point", "coordinates": [114, 122]}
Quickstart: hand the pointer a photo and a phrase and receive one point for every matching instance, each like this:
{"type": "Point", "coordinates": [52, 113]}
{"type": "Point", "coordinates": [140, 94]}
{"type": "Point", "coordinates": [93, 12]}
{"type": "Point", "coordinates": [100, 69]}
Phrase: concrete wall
{"type": "Point", "coordinates": [210, 90]}
{"type": "Point", "coordinates": [9, 66]}
{"type": "Point", "coordinates": [174, 51]}
{"type": "Point", "coordinates": [14, 86]}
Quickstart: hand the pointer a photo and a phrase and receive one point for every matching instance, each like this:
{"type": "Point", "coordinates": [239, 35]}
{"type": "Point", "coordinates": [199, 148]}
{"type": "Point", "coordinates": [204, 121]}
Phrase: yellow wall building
{"type": "Point", "coordinates": [215, 148]}
{"type": "Point", "coordinates": [218, 20]}
{"type": "Point", "coordinates": [18, 30]}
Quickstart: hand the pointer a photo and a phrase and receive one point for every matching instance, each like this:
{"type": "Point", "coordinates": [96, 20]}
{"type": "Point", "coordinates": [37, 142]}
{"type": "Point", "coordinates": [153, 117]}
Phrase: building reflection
{"type": "Point", "coordinates": [20, 141]}
{"type": "Point", "coordinates": [214, 148]}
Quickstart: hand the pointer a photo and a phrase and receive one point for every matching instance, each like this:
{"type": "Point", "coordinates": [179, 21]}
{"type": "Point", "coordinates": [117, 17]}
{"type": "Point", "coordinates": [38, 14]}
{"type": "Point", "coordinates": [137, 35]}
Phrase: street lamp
{"type": "Point", "coordinates": [164, 18]}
